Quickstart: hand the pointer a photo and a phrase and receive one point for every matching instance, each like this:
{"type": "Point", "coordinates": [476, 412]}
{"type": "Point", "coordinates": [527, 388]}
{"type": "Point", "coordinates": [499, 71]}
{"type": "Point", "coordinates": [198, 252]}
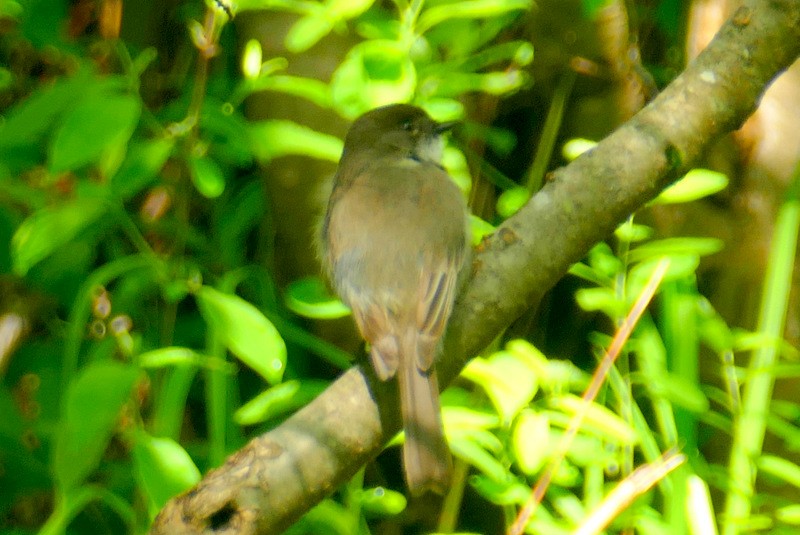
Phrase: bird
{"type": "Point", "coordinates": [395, 242]}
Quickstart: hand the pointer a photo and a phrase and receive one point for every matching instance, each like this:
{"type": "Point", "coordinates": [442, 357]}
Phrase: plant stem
{"type": "Point", "coordinates": [749, 428]}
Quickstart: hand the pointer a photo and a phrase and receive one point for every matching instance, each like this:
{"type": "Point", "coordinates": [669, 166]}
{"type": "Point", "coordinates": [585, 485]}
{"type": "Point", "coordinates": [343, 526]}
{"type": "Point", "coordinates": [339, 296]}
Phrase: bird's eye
{"type": "Point", "coordinates": [408, 125]}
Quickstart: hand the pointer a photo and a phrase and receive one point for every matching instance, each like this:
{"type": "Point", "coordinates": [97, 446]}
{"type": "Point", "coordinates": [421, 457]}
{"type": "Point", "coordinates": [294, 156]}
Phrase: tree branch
{"type": "Point", "coordinates": [272, 481]}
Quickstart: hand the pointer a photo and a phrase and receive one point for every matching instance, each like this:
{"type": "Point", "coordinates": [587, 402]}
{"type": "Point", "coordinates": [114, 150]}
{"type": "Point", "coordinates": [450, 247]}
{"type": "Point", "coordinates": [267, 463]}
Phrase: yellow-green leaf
{"type": "Point", "coordinates": [245, 331]}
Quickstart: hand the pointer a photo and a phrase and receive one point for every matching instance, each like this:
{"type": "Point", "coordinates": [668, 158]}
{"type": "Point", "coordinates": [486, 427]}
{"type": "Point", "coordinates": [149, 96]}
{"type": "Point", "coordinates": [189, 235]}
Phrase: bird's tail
{"type": "Point", "coordinates": [425, 453]}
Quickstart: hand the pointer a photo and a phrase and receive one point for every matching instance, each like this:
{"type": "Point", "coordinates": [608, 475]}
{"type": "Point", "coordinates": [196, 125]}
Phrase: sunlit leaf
{"type": "Point", "coordinates": [632, 232]}
{"type": "Point", "coordinates": [597, 417]}
{"type": "Point", "coordinates": [501, 493]}
{"type": "Point", "coordinates": [382, 502]}
{"type": "Point", "coordinates": [312, 90]}
{"type": "Point", "coordinates": [494, 83]}
{"type": "Point", "coordinates": [510, 201]}
{"type": "Point", "coordinates": [348, 9]}
{"type": "Point", "coordinates": [529, 441]}
{"type": "Point", "coordinates": [467, 418]}
{"type": "Point", "coordinates": [307, 31]}
{"type": "Point", "coordinates": [473, 9]}
{"type": "Point", "coordinates": [780, 468]}
{"type": "Point", "coordinates": [472, 453]}
{"type": "Point", "coordinates": [245, 331]}
{"type": "Point", "coordinates": [454, 161]}
{"type": "Point", "coordinates": [271, 139]}
{"type": "Point", "coordinates": [789, 514]}
{"type": "Point", "coordinates": [251, 59]}
{"type": "Point", "coordinates": [509, 382]}
{"type": "Point", "coordinates": [278, 401]}
{"type": "Point", "coordinates": [328, 517]}
{"type": "Point", "coordinates": [309, 297]}
{"type": "Point", "coordinates": [699, 509]}
{"type": "Point", "coordinates": [575, 147]}
{"type": "Point", "coordinates": [165, 469]}
{"type": "Point", "coordinates": [602, 299]}
{"type": "Point", "coordinates": [479, 229]}
{"type": "Point", "coordinates": [168, 356]}
{"type": "Point", "coordinates": [696, 184]}
{"type": "Point", "coordinates": [676, 246]}
{"type": "Point", "coordinates": [374, 73]}
{"type": "Point", "coordinates": [207, 177]}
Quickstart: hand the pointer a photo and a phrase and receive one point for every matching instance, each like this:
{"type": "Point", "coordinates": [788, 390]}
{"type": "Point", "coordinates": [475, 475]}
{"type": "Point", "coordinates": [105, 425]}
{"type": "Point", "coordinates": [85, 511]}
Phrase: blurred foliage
{"type": "Point", "coordinates": [135, 214]}
{"type": "Point", "coordinates": [143, 337]}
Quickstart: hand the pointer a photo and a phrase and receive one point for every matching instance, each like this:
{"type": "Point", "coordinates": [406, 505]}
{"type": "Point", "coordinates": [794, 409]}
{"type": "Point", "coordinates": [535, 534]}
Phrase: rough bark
{"type": "Point", "coordinates": [278, 476]}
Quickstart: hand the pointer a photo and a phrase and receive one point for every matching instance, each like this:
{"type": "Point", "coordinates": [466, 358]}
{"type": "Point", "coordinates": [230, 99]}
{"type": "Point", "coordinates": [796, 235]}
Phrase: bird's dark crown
{"type": "Point", "coordinates": [396, 128]}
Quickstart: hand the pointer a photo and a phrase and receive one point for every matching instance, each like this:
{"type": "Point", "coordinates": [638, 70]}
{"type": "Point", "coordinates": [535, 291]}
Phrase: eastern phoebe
{"type": "Point", "coordinates": [394, 240]}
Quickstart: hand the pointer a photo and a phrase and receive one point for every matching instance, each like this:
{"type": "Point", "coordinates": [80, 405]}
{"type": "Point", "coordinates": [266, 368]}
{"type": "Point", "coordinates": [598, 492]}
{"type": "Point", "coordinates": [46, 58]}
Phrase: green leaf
{"type": "Point", "coordinates": [11, 9]}
{"type": "Point", "coordinates": [207, 177]}
{"type": "Point", "coordinates": [494, 83]}
{"type": "Point", "coordinates": [141, 166]}
{"type": "Point", "coordinates": [466, 417]}
{"type": "Point", "coordinates": [6, 78]}
{"type": "Point", "coordinates": [225, 131]}
{"type": "Point", "coordinates": [252, 59]}
{"type": "Point", "coordinates": [245, 331]}
{"type": "Point", "coordinates": [348, 9]}
{"type": "Point", "coordinates": [789, 514]}
{"type": "Point", "coordinates": [602, 299]}
{"type": "Point", "coordinates": [596, 417]}
{"type": "Point", "coordinates": [676, 246]}
{"type": "Point", "coordinates": [584, 449]}
{"type": "Point", "coordinates": [164, 468]}
{"type": "Point", "coordinates": [575, 147]}
{"type": "Point", "coordinates": [713, 330]}
{"type": "Point", "coordinates": [91, 410]}
{"type": "Point", "coordinates": [633, 233]}
{"type": "Point", "coordinates": [680, 267]}
{"type": "Point", "coordinates": [474, 454]}
{"type": "Point", "coordinates": [326, 518]}
{"type": "Point", "coordinates": [470, 9]}
{"type": "Point", "coordinates": [696, 184]}
{"type": "Point", "coordinates": [528, 352]}
{"type": "Point", "coordinates": [272, 139]}
{"type": "Point", "coordinates": [169, 356]}
{"type": "Point", "coordinates": [28, 122]}
{"type": "Point", "coordinates": [373, 73]}
{"type": "Point", "coordinates": [47, 229]}
{"type": "Point", "coordinates": [307, 31]}
{"type": "Point", "coordinates": [699, 509]}
{"type": "Point", "coordinates": [529, 442]}
{"type": "Point", "coordinates": [382, 502]}
{"type": "Point", "coordinates": [479, 229]}
{"type": "Point", "coordinates": [310, 298]}
{"type": "Point", "coordinates": [602, 259]}
{"type": "Point", "coordinates": [236, 217]}
{"type": "Point", "coordinates": [501, 493]}
{"type": "Point", "coordinates": [511, 201]}
{"type": "Point", "coordinates": [307, 88]}
{"type": "Point", "coordinates": [278, 401]}
{"type": "Point", "coordinates": [518, 52]}
{"type": "Point", "coordinates": [454, 161]}
{"type": "Point", "coordinates": [781, 469]}
{"type": "Point", "coordinates": [680, 392]}
{"type": "Point", "coordinates": [320, 20]}
{"type": "Point", "coordinates": [95, 125]}
{"type": "Point", "coordinates": [509, 381]}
